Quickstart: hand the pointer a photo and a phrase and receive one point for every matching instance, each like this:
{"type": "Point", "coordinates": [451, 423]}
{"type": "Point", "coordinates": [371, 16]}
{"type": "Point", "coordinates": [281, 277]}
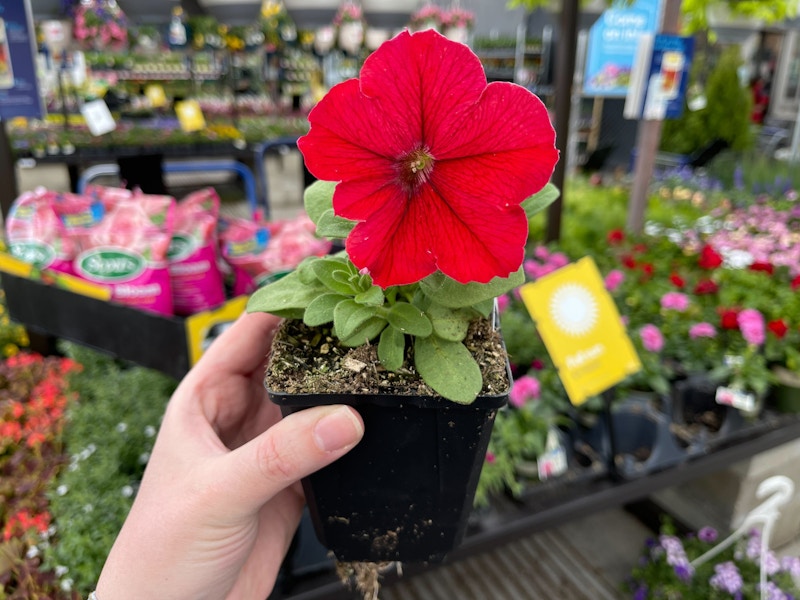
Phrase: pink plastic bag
{"type": "Point", "coordinates": [35, 234]}
{"type": "Point", "coordinates": [193, 266]}
{"type": "Point", "coordinates": [127, 250]}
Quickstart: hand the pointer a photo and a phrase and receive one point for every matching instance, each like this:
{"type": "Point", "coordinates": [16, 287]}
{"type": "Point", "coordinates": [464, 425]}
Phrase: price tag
{"type": "Point", "coordinates": [553, 462]}
{"type": "Point", "coordinates": [190, 115]}
{"type": "Point", "coordinates": [98, 117]}
{"type": "Point", "coordinates": [736, 398]}
{"type": "Point", "coordinates": [156, 95]}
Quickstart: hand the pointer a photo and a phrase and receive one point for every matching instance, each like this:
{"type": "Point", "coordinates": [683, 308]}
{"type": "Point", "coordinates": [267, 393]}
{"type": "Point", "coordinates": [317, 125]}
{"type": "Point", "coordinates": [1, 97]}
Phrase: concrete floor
{"type": "Point", "coordinates": [599, 549]}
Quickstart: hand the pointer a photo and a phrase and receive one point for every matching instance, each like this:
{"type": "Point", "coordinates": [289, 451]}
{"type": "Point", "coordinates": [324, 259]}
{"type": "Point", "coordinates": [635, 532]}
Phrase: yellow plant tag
{"type": "Point", "coordinates": [156, 95]}
{"type": "Point", "coordinates": [582, 329]}
{"type": "Point", "coordinates": [190, 115]}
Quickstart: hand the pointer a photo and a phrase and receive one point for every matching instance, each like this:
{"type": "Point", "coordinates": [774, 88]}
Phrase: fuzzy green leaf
{"type": "Point", "coordinates": [373, 296]}
{"type": "Point", "coordinates": [409, 319]}
{"type": "Point", "coordinates": [364, 333]}
{"type": "Point", "coordinates": [448, 367]}
{"type": "Point", "coordinates": [318, 198]}
{"type": "Point", "coordinates": [540, 200]}
{"type": "Point", "coordinates": [320, 310]}
{"type": "Point", "coordinates": [335, 275]}
{"type": "Point", "coordinates": [450, 324]}
{"type": "Point", "coordinates": [287, 297]}
{"type": "Point", "coordinates": [348, 316]}
{"type": "Point", "coordinates": [332, 227]}
{"type": "Point", "coordinates": [391, 348]}
{"type": "Point", "coordinates": [448, 292]}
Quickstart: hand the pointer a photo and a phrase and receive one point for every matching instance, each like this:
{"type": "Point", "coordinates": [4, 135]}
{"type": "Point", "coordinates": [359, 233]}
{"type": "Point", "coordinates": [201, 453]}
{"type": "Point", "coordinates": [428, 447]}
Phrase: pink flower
{"type": "Point", "coordinates": [502, 302]}
{"type": "Point", "coordinates": [531, 268]}
{"type": "Point", "coordinates": [541, 252]}
{"type": "Point", "coordinates": [652, 339]}
{"type": "Point", "coordinates": [614, 279]}
{"type": "Point", "coordinates": [427, 192]}
{"type": "Point", "coordinates": [751, 324]}
{"type": "Point", "coordinates": [525, 388]}
{"type": "Point", "coordinates": [704, 329]}
{"type": "Point", "coordinates": [559, 259]}
{"type": "Point", "coordinates": [675, 301]}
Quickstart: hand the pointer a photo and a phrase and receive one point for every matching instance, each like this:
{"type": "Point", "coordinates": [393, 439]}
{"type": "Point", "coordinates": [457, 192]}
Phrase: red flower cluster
{"type": "Point", "coordinates": [709, 258]}
{"type": "Point", "coordinates": [21, 522]}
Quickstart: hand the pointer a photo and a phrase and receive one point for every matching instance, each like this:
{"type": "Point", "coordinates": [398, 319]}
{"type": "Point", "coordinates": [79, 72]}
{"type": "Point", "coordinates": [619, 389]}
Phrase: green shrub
{"type": "Point", "coordinates": [726, 114]}
{"type": "Point", "coordinates": [110, 433]}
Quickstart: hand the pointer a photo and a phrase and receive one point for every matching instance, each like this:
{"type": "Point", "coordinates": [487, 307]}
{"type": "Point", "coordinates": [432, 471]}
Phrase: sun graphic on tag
{"type": "Point", "coordinates": [573, 309]}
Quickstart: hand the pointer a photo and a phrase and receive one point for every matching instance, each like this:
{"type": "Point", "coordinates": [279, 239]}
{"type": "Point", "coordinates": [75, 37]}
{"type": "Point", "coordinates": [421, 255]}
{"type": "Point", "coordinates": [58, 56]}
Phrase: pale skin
{"type": "Point", "coordinates": [220, 499]}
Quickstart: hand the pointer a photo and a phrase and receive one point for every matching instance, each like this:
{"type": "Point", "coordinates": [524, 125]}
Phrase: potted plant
{"type": "Point", "coordinates": [435, 220]}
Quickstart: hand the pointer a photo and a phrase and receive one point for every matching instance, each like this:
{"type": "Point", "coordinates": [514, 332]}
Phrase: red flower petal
{"type": "Point", "coordinates": [709, 259]}
{"type": "Point", "coordinates": [778, 327]}
{"type": "Point", "coordinates": [431, 161]}
{"type": "Point", "coordinates": [763, 266]}
{"type": "Point", "coordinates": [677, 280]}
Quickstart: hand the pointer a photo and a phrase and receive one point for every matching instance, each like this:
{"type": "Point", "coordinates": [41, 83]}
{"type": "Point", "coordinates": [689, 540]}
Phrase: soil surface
{"type": "Point", "coordinates": [310, 360]}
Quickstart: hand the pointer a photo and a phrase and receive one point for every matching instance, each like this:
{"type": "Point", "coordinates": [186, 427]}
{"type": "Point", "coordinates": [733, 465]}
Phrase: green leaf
{"type": "Point", "coordinates": [332, 227]}
{"type": "Point", "coordinates": [364, 333]}
{"type": "Point", "coordinates": [348, 316]}
{"type": "Point", "coordinates": [449, 323]}
{"type": "Point", "coordinates": [391, 348]}
{"type": "Point", "coordinates": [286, 297]}
{"type": "Point", "coordinates": [320, 310]}
{"type": "Point", "coordinates": [448, 292]}
{"type": "Point", "coordinates": [372, 297]}
{"type": "Point", "coordinates": [335, 275]}
{"type": "Point", "coordinates": [409, 319]}
{"type": "Point", "coordinates": [448, 368]}
{"type": "Point", "coordinates": [540, 200]}
{"type": "Point", "coordinates": [317, 198]}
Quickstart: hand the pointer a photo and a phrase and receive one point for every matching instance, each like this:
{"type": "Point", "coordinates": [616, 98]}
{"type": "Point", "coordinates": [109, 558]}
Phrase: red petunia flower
{"type": "Point", "coordinates": [706, 286]}
{"type": "Point", "coordinates": [778, 327]}
{"type": "Point", "coordinates": [709, 259]}
{"type": "Point", "coordinates": [729, 318]}
{"type": "Point", "coordinates": [796, 282]}
{"type": "Point", "coordinates": [648, 269]}
{"type": "Point", "coordinates": [431, 161]}
{"type": "Point", "coordinates": [677, 280]}
{"type": "Point", "coordinates": [628, 262]}
{"type": "Point", "coordinates": [763, 266]}
{"type": "Point", "coordinates": [615, 237]}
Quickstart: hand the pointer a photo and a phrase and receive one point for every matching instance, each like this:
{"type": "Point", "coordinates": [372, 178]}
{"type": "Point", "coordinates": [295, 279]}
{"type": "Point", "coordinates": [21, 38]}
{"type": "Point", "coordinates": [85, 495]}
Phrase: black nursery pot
{"type": "Point", "coordinates": [405, 492]}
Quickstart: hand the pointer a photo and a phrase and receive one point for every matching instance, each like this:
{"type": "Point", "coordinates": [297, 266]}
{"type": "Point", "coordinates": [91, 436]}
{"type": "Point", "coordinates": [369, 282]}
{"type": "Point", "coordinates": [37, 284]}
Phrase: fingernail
{"type": "Point", "coordinates": [338, 429]}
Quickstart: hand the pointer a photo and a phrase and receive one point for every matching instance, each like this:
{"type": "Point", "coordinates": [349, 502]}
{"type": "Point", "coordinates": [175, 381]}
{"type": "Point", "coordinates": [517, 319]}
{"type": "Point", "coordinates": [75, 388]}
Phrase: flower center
{"type": "Point", "coordinates": [415, 168]}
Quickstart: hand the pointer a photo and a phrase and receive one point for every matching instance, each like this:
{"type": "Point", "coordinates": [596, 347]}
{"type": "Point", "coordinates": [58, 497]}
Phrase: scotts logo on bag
{"type": "Point", "coordinates": [38, 254]}
{"type": "Point", "coordinates": [110, 266]}
{"type": "Point", "coordinates": [181, 246]}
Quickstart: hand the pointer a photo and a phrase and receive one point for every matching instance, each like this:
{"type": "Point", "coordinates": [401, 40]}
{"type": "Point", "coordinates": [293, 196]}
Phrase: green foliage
{"type": "Point", "coordinates": [110, 433]}
{"type": "Point", "coordinates": [726, 115]}
{"type": "Point", "coordinates": [432, 316]}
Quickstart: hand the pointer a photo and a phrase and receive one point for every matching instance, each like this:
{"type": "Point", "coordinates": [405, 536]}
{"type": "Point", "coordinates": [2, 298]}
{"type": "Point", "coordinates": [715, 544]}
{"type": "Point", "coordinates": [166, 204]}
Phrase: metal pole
{"type": "Point", "coordinates": [565, 70]}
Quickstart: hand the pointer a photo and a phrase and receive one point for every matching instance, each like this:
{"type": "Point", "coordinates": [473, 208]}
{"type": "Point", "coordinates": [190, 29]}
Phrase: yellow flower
{"type": "Point", "coordinates": [10, 350]}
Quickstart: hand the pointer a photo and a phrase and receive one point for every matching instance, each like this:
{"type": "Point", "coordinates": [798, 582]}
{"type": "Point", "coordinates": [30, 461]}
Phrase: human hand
{"type": "Point", "coordinates": [220, 499]}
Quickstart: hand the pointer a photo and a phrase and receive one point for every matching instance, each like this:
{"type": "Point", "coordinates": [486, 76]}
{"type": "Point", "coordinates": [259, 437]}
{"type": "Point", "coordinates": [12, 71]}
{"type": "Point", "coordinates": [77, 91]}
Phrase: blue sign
{"type": "Point", "coordinates": [668, 77]}
{"type": "Point", "coordinates": [19, 88]}
{"type": "Point", "coordinates": [613, 40]}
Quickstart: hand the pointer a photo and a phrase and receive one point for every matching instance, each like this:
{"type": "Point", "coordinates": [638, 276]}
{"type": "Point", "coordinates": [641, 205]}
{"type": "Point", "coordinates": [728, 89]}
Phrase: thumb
{"type": "Point", "coordinates": [296, 446]}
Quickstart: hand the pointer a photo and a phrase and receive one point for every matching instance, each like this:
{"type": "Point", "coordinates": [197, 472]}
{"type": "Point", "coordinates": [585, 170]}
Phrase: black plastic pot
{"type": "Point", "coordinates": [406, 490]}
{"type": "Point", "coordinates": [695, 408]}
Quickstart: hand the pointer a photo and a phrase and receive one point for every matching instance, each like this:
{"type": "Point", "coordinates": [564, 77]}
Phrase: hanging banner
{"type": "Point", "coordinates": [613, 41]}
{"type": "Point", "coordinates": [660, 78]}
{"type": "Point", "coordinates": [19, 88]}
{"type": "Point", "coordinates": [582, 329]}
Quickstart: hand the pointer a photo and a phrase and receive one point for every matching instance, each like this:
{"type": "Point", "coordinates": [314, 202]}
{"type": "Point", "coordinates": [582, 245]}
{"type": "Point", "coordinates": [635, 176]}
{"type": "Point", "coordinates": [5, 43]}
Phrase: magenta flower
{"type": "Point", "coordinates": [524, 389]}
{"type": "Point", "coordinates": [502, 302]}
{"type": "Point", "coordinates": [675, 301]}
{"type": "Point", "coordinates": [432, 162]}
{"type": "Point", "coordinates": [541, 252]}
{"type": "Point", "coordinates": [706, 330]}
{"type": "Point", "coordinates": [614, 279]}
{"type": "Point", "coordinates": [751, 324]}
{"type": "Point", "coordinates": [652, 339]}
{"type": "Point", "coordinates": [559, 259]}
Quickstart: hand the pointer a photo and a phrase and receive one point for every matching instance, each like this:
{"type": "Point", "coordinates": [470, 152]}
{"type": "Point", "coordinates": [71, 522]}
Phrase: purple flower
{"type": "Point", "coordinates": [641, 593]}
{"type": "Point", "coordinates": [675, 301]}
{"type": "Point", "coordinates": [614, 279]}
{"type": "Point", "coordinates": [525, 388]}
{"type": "Point", "coordinates": [676, 557]}
{"type": "Point", "coordinates": [791, 564]}
{"type": "Point", "coordinates": [773, 592]}
{"type": "Point", "coordinates": [727, 578]}
{"type": "Point", "coordinates": [702, 330]}
{"type": "Point", "coordinates": [652, 339]}
{"type": "Point", "coordinates": [707, 534]}
{"type": "Point", "coordinates": [502, 302]}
